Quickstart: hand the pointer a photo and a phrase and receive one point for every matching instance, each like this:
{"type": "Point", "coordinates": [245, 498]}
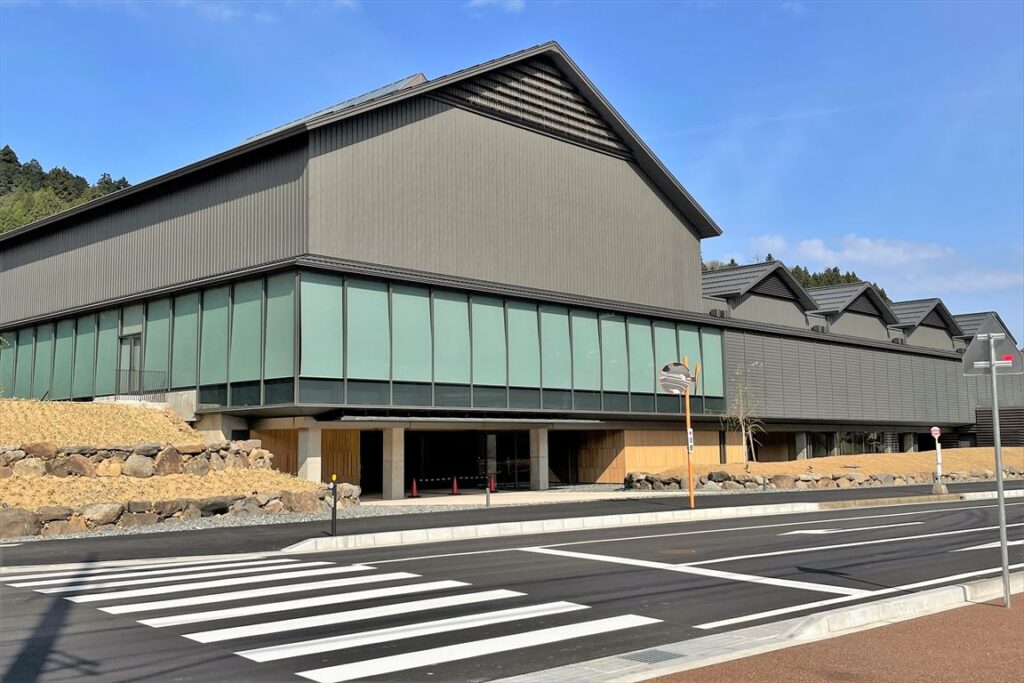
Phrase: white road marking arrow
{"type": "Point", "coordinates": [819, 532]}
{"type": "Point", "coordinates": [983, 546]}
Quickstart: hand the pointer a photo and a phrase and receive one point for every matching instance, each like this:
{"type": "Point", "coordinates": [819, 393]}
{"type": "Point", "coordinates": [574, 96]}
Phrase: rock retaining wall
{"type": "Point", "coordinates": [724, 481]}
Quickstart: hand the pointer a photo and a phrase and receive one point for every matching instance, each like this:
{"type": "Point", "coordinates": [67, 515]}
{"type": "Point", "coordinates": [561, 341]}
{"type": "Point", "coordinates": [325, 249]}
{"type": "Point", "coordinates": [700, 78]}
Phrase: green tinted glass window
{"type": "Point", "coordinates": [184, 349]}
{"type": "Point", "coordinates": [279, 355]}
{"type": "Point", "coordinates": [213, 354]}
{"type": "Point", "coordinates": [131, 319]}
{"type": "Point", "coordinates": [664, 346]}
{"type": "Point", "coordinates": [246, 331]}
{"type": "Point", "coordinates": [106, 353]}
{"type": "Point", "coordinates": [523, 345]}
{"type": "Point", "coordinates": [713, 368]}
{"type": "Point", "coordinates": [488, 341]}
{"type": "Point", "coordinates": [321, 299]}
{"type": "Point", "coordinates": [451, 338]}
{"type": "Point", "coordinates": [556, 361]}
{"type": "Point", "coordinates": [85, 356]}
{"type": "Point", "coordinates": [410, 336]}
{"type": "Point", "coordinates": [23, 372]}
{"type": "Point", "coordinates": [641, 356]}
{"type": "Point", "coordinates": [586, 351]}
{"type": "Point", "coordinates": [368, 330]}
{"type": "Point", "coordinates": [8, 351]}
{"type": "Point", "coordinates": [614, 360]}
{"type": "Point", "coordinates": [63, 353]}
{"type": "Point", "coordinates": [158, 332]}
{"type": "Point", "coordinates": [689, 348]}
{"type": "Point", "coordinates": [43, 366]}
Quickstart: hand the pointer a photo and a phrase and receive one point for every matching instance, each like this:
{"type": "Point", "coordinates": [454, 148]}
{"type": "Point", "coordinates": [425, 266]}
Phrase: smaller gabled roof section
{"type": "Point", "coordinates": [970, 322]}
{"type": "Point", "coordinates": [859, 297]}
{"type": "Point", "coordinates": [770, 279]}
{"type": "Point", "coordinates": [931, 312]}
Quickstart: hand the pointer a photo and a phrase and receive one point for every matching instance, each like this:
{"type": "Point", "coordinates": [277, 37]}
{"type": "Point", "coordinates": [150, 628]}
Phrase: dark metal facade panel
{"type": "Point", "coordinates": [790, 358]}
{"type": "Point", "coordinates": [842, 398]}
{"type": "Point", "coordinates": [434, 188]}
{"type": "Point", "coordinates": [825, 383]}
{"type": "Point", "coordinates": [773, 285]}
{"type": "Point", "coordinates": [217, 224]}
{"type": "Point", "coordinates": [775, 390]}
{"type": "Point", "coordinates": [894, 386]}
{"type": "Point", "coordinates": [809, 405]}
{"type": "Point", "coordinates": [863, 304]}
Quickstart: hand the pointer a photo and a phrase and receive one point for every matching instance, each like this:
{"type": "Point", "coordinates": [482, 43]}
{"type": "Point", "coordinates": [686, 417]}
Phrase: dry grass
{"type": "Point", "coordinates": [33, 493]}
{"type": "Point", "coordinates": [95, 424]}
{"type": "Point", "coordinates": [953, 460]}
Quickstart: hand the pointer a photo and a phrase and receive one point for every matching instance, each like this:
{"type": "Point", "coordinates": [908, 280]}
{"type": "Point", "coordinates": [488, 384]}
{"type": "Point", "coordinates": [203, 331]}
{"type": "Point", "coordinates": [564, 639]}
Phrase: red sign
{"type": "Point", "coordinates": [936, 432]}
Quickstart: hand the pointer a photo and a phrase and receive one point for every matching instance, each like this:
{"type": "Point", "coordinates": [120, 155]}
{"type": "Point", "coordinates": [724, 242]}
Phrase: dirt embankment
{"type": "Point", "coordinates": [101, 424]}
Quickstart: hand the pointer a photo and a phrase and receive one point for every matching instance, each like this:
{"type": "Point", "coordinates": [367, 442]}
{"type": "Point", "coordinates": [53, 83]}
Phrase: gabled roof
{"type": "Point", "coordinates": [861, 297]}
{"type": "Point", "coordinates": [970, 322]}
{"type": "Point", "coordinates": [739, 280]}
{"type": "Point", "coordinates": [661, 177]}
{"type": "Point", "coordinates": [925, 311]}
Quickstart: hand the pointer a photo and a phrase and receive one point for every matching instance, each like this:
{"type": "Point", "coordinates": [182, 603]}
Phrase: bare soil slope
{"type": "Point", "coordinates": [96, 424]}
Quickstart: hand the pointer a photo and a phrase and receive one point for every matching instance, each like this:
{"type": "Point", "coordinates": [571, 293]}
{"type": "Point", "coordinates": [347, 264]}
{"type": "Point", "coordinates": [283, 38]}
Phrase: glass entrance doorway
{"type": "Point", "coordinates": [129, 365]}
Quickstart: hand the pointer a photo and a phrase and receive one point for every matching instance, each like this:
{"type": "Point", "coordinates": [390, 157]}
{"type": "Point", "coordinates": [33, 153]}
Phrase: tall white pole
{"type": "Point", "coordinates": [999, 470]}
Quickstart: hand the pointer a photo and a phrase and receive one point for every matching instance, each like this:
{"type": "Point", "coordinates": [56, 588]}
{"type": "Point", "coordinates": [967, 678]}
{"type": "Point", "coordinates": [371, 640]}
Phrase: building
{"type": "Point", "coordinates": [476, 274]}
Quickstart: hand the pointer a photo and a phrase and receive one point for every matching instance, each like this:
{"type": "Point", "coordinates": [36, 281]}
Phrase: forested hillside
{"type": "Point", "coordinates": [28, 193]}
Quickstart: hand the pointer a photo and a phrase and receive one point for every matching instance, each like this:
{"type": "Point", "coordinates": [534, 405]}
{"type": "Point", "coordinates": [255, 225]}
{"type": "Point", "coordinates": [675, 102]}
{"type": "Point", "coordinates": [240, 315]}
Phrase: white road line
{"type": "Point", "coordinates": [835, 601]}
{"type": "Point", "coordinates": [426, 628]}
{"type": "Point", "coordinates": [87, 569]}
{"type": "Point", "coordinates": [713, 573]}
{"type": "Point", "coordinates": [261, 592]}
{"type": "Point", "coordinates": [173, 579]}
{"type": "Point", "coordinates": [346, 617]}
{"type": "Point", "coordinates": [301, 603]}
{"type": "Point", "coordinates": [149, 572]}
{"type": "Point", "coordinates": [839, 530]}
{"type": "Point", "coordinates": [217, 583]}
{"type": "Point", "coordinates": [984, 546]}
{"type": "Point", "coordinates": [853, 544]}
{"type": "Point", "coordinates": [477, 648]}
{"type": "Point", "coordinates": [9, 545]}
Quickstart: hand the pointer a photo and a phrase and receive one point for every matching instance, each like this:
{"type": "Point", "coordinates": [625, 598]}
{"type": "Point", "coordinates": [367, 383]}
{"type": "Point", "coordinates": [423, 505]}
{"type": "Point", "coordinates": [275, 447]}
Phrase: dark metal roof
{"type": "Point", "coordinates": [970, 322]}
{"type": "Point", "coordinates": [738, 280]}
{"type": "Point", "coordinates": [912, 313]}
{"type": "Point", "coordinates": [662, 178]}
{"type": "Point", "coordinates": [837, 298]}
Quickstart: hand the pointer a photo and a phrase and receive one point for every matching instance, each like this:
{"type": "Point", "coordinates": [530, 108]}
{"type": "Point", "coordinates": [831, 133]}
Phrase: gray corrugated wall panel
{"type": "Point", "coordinates": [434, 188]}
{"type": "Point", "coordinates": [734, 358]}
{"type": "Point", "coordinates": [790, 351]}
{"type": "Point", "coordinates": [809, 404]}
{"type": "Point", "coordinates": [840, 386]}
{"type": "Point", "coordinates": [215, 224]}
{"type": "Point", "coordinates": [767, 309]}
{"type": "Point", "coordinates": [753, 350]}
{"type": "Point", "coordinates": [895, 386]}
{"type": "Point", "coordinates": [774, 388]}
{"type": "Point", "coordinates": [824, 381]}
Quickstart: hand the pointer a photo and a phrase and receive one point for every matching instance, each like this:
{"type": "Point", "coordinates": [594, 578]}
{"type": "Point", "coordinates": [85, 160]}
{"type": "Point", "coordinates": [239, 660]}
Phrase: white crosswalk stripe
{"type": "Point", "coordinates": [209, 582]}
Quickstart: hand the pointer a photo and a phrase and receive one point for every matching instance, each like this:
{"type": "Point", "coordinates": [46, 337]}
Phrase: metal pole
{"type": "Point", "coordinates": [487, 489]}
{"type": "Point", "coordinates": [334, 508]}
{"type": "Point", "coordinates": [999, 471]}
{"type": "Point", "coordinates": [686, 440]}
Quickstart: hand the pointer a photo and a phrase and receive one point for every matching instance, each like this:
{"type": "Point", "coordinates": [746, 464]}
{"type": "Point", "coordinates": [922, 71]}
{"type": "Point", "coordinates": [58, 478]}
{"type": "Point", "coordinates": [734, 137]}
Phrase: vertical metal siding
{"type": "Point", "coordinates": [430, 187]}
{"type": "Point", "coordinates": [767, 309]}
{"type": "Point", "coordinates": [791, 381]}
{"type": "Point", "coordinates": [253, 214]}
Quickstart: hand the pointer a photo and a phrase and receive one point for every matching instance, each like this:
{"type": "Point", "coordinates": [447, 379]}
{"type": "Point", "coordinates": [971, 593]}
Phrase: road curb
{"type": "Point", "coordinates": [385, 539]}
{"type": "Point", "coordinates": [642, 665]}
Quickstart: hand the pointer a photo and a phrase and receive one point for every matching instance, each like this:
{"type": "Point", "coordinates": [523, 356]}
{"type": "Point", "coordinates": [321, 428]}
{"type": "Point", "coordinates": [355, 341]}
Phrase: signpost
{"type": "Point", "coordinates": [675, 378]}
{"type": "Point", "coordinates": [938, 487]}
{"type": "Point", "coordinates": [992, 353]}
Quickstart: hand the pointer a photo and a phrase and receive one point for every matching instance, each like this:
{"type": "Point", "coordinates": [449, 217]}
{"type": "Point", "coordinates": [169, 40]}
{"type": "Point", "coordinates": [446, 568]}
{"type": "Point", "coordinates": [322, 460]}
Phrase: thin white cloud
{"type": "Point", "coordinates": [854, 249]}
{"type": "Point", "coordinates": [795, 8]}
{"type": "Point", "coordinates": [512, 6]}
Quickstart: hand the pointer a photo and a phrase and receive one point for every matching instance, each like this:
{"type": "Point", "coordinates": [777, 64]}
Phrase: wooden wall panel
{"type": "Point", "coordinates": [340, 453]}
{"type": "Point", "coordinates": [284, 444]}
{"type": "Point", "coordinates": [656, 451]}
{"type": "Point", "coordinates": [601, 459]}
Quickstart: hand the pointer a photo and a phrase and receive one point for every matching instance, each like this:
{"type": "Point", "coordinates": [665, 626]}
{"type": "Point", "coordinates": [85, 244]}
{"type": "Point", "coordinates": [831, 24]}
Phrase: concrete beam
{"type": "Point", "coordinates": [803, 446]}
{"type": "Point", "coordinates": [394, 463]}
{"type": "Point", "coordinates": [218, 426]}
{"type": "Point", "coordinates": [538, 459]}
{"type": "Point", "coordinates": [310, 456]}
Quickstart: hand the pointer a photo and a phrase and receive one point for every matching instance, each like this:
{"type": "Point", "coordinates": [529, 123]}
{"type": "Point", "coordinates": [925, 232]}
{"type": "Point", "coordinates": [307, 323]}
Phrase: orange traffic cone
{"type": "Point", "coordinates": [414, 493]}
{"type": "Point", "coordinates": [455, 486]}
{"type": "Point", "coordinates": [493, 484]}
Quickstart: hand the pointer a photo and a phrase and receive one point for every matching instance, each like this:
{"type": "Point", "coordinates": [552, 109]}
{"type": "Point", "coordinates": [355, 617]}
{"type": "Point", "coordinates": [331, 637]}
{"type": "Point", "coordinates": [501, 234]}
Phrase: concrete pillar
{"type": "Point", "coordinates": [492, 454]}
{"type": "Point", "coordinates": [309, 455]}
{"type": "Point", "coordinates": [538, 459]}
{"type": "Point", "coordinates": [834, 446]}
{"type": "Point", "coordinates": [803, 446]}
{"type": "Point", "coordinates": [218, 427]}
{"type": "Point", "coordinates": [910, 443]}
{"type": "Point", "coordinates": [394, 463]}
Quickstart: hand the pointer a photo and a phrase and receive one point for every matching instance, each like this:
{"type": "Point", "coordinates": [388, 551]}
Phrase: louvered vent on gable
{"type": "Point", "coordinates": [773, 285]}
{"type": "Point", "coordinates": [536, 94]}
{"type": "Point", "coordinates": [864, 304]}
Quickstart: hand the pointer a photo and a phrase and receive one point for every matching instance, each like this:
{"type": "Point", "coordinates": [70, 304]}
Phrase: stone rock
{"type": "Point", "coordinates": [98, 514]}
{"type": "Point", "coordinates": [856, 477]}
{"type": "Point", "coordinates": [18, 522]}
{"type": "Point", "coordinates": [236, 461]}
{"type": "Point", "coordinates": [245, 506]}
{"type": "Point", "coordinates": [844, 483]}
{"type": "Point", "coordinates": [274, 506]}
{"type": "Point", "coordinates": [30, 467]}
{"type": "Point", "coordinates": [824, 483]}
{"type": "Point", "coordinates": [168, 461]}
{"type": "Point", "coordinates": [751, 485]}
{"type": "Point", "coordinates": [119, 456]}
{"type": "Point", "coordinates": [802, 485]}
{"type": "Point", "coordinates": [261, 458]}
{"type": "Point", "coordinates": [671, 486]}
{"type": "Point", "coordinates": [60, 527]}
{"type": "Point", "coordinates": [247, 445]}
{"type": "Point", "coordinates": [197, 466]}
{"type": "Point", "coordinates": [783, 481]}
{"type": "Point", "coordinates": [137, 465]}
{"type": "Point", "coordinates": [51, 513]}
{"type": "Point", "coordinates": [41, 449]}
{"type": "Point", "coordinates": [216, 462]}
{"type": "Point", "coordinates": [138, 519]}
{"type": "Point", "coordinates": [352, 491]}
{"type": "Point", "coordinates": [218, 445]}
{"type": "Point", "coordinates": [718, 476]}
{"type": "Point", "coordinates": [301, 501]}
{"type": "Point", "coordinates": [731, 486]}
{"type": "Point", "coordinates": [80, 450]}
{"type": "Point", "coordinates": [264, 498]}
{"type": "Point", "coordinates": [642, 485]}
{"type": "Point", "coordinates": [657, 485]}
{"type": "Point", "coordinates": [109, 468]}
{"type": "Point", "coordinates": [6, 472]}
{"type": "Point", "coordinates": [804, 477]}
{"type": "Point", "coordinates": [191, 449]}
{"type": "Point", "coordinates": [886, 479]}
{"type": "Point", "coordinates": [166, 508]}
{"type": "Point", "coordinates": [710, 486]}
{"type": "Point", "coordinates": [136, 506]}
{"type": "Point", "coordinates": [74, 465]}
{"type": "Point", "coordinates": [190, 511]}
{"type": "Point", "coordinates": [147, 449]}
{"type": "Point", "coordinates": [217, 505]}
{"type": "Point", "coordinates": [10, 457]}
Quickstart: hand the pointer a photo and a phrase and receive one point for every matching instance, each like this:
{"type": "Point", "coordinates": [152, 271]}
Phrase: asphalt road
{"type": "Point", "coordinates": [483, 609]}
{"type": "Point", "coordinates": [269, 537]}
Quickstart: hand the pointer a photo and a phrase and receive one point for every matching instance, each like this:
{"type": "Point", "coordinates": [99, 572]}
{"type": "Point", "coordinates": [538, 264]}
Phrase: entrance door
{"type": "Point", "coordinates": [129, 376]}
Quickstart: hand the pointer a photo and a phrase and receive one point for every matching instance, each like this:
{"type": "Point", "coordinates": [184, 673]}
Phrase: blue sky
{"type": "Point", "coordinates": [887, 138]}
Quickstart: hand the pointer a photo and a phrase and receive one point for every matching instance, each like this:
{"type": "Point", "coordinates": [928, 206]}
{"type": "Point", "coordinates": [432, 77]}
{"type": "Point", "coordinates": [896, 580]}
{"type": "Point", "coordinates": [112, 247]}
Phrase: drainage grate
{"type": "Point", "coordinates": [650, 656]}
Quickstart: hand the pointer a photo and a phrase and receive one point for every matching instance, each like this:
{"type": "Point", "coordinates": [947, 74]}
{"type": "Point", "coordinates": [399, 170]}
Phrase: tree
{"type": "Point", "coordinates": [741, 415]}
{"type": "Point", "coordinates": [769, 258]}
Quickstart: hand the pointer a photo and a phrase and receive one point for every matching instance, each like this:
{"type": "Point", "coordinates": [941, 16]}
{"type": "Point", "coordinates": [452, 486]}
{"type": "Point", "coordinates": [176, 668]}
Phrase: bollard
{"type": "Point", "coordinates": [334, 508]}
{"type": "Point", "coordinates": [415, 492]}
{"type": "Point", "coordinates": [487, 494]}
